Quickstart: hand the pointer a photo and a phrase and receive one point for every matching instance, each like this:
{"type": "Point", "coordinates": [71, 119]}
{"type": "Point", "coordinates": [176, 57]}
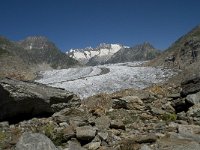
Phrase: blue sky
{"type": "Point", "coordinates": [82, 23]}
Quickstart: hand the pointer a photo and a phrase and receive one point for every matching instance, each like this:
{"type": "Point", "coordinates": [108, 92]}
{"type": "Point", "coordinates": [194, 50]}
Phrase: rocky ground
{"type": "Point", "coordinates": [161, 117]}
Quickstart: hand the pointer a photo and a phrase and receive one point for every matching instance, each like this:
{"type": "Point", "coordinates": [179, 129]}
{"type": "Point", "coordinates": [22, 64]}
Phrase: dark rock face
{"type": "Point", "coordinates": [23, 100]}
{"type": "Point", "coordinates": [35, 141]}
{"type": "Point", "coordinates": [190, 86]}
{"type": "Point", "coordinates": [140, 52]}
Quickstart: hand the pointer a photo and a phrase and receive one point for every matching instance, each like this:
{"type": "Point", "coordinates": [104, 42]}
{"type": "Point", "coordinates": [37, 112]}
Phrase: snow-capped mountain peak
{"type": "Point", "coordinates": [102, 52]}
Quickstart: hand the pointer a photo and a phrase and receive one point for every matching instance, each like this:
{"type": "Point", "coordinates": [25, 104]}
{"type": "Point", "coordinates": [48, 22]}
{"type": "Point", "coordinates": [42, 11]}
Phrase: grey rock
{"type": "Point", "coordinates": [68, 133]}
{"type": "Point", "coordinates": [75, 146]}
{"type": "Point", "coordinates": [34, 141]}
{"type": "Point", "coordinates": [118, 104]}
{"type": "Point", "coordinates": [93, 145]}
{"type": "Point", "coordinates": [4, 124]}
{"type": "Point", "coordinates": [177, 144]}
{"type": "Point", "coordinates": [102, 123]}
{"type": "Point", "coordinates": [174, 95]}
{"type": "Point", "coordinates": [146, 139]}
{"type": "Point", "coordinates": [133, 102]}
{"type": "Point", "coordinates": [157, 111]}
{"type": "Point", "coordinates": [194, 111]}
{"type": "Point", "coordinates": [190, 132]}
{"type": "Point", "coordinates": [181, 116]}
{"type": "Point", "coordinates": [85, 133]}
{"type": "Point", "coordinates": [190, 86]}
{"type": "Point", "coordinates": [75, 116]}
{"type": "Point", "coordinates": [103, 135]}
{"type": "Point", "coordinates": [145, 147]}
{"type": "Point", "coordinates": [193, 98]}
{"type": "Point", "coordinates": [117, 124]}
{"type": "Point", "coordinates": [19, 98]}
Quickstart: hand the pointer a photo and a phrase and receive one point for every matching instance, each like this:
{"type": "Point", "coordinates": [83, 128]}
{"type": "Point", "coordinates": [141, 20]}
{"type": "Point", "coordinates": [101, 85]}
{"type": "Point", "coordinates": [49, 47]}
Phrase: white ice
{"type": "Point", "coordinates": [88, 81]}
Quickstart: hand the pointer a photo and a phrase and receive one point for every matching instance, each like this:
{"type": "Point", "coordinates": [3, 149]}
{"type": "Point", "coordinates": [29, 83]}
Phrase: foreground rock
{"type": "Point", "coordinates": [35, 141]}
{"type": "Point", "coordinates": [190, 86]}
{"type": "Point", "coordinates": [24, 100]}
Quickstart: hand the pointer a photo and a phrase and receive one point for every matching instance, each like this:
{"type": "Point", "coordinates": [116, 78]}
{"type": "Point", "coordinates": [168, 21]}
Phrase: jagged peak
{"type": "Point", "coordinates": [144, 45]}
{"type": "Point", "coordinates": [36, 38]}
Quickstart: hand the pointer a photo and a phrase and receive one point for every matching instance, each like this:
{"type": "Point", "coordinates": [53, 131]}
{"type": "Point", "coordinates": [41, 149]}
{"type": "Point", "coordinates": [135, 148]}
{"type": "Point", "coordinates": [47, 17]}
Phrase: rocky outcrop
{"type": "Point", "coordinates": [23, 100]}
{"type": "Point", "coordinates": [190, 86]}
{"type": "Point", "coordinates": [35, 141]}
{"type": "Point", "coordinates": [183, 53]}
{"type": "Point", "coordinates": [140, 52]}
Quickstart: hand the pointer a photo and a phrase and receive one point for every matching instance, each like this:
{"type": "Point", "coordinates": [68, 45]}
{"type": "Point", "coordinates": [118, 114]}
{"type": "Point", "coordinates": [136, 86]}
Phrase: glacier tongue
{"type": "Point", "coordinates": [88, 81]}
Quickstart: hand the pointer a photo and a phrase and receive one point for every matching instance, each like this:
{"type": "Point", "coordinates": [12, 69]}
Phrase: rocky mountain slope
{"type": "Point", "coordinates": [95, 56]}
{"type": "Point", "coordinates": [139, 52]}
{"type": "Point", "coordinates": [23, 59]}
{"type": "Point", "coordinates": [183, 54]}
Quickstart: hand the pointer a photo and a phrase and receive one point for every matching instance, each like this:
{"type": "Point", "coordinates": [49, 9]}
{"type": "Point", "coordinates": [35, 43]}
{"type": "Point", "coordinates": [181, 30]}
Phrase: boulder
{"type": "Point", "coordinates": [194, 111]}
{"type": "Point", "coordinates": [102, 123]}
{"type": "Point", "coordinates": [85, 133]}
{"type": "Point", "coordinates": [75, 146]}
{"type": "Point", "coordinates": [177, 144]}
{"type": "Point", "coordinates": [68, 133]}
{"type": "Point", "coordinates": [34, 141]}
{"type": "Point", "coordinates": [133, 102]}
{"type": "Point", "coordinates": [190, 86]}
{"type": "Point", "coordinates": [117, 124]}
{"type": "Point", "coordinates": [24, 100]}
{"type": "Point", "coordinates": [93, 145]}
{"type": "Point", "coordinates": [73, 116]}
{"type": "Point", "coordinates": [193, 98]}
{"type": "Point", "coordinates": [103, 135]}
{"type": "Point", "coordinates": [118, 104]}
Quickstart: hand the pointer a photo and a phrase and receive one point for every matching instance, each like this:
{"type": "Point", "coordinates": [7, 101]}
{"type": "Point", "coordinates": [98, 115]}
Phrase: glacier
{"type": "Point", "coordinates": [92, 80]}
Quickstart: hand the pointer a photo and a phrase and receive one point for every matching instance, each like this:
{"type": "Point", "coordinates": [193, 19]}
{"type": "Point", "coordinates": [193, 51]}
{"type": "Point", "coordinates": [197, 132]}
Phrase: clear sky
{"type": "Point", "coordinates": [82, 23]}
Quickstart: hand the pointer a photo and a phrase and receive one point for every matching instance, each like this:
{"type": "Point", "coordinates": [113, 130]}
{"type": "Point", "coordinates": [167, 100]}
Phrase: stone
{"type": "Point", "coordinates": [193, 98]}
{"type": "Point", "coordinates": [177, 144]}
{"type": "Point", "coordinates": [190, 132]}
{"type": "Point", "coordinates": [157, 111]}
{"type": "Point", "coordinates": [190, 86]}
{"type": "Point", "coordinates": [145, 147]}
{"type": "Point", "coordinates": [69, 115]}
{"type": "Point", "coordinates": [93, 145]}
{"type": "Point", "coordinates": [181, 116]}
{"type": "Point", "coordinates": [85, 133]}
{"type": "Point", "coordinates": [75, 146]}
{"type": "Point", "coordinates": [4, 124]}
{"type": "Point", "coordinates": [133, 102]}
{"type": "Point", "coordinates": [194, 111]}
{"type": "Point", "coordinates": [118, 104]}
{"type": "Point", "coordinates": [146, 139]}
{"type": "Point", "coordinates": [117, 124]}
{"type": "Point", "coordinates": [68, 133]}
{"type": "Point", "coordinates": [103, 135]}
{"type": "Point", "coordinates": [34, 141]}
{"type": "Point", "coordinates": [174, 95]}
{"type": "Point", "coordinates": [22, 100]}
{"type": "Point", "coordinates": [102, 123]}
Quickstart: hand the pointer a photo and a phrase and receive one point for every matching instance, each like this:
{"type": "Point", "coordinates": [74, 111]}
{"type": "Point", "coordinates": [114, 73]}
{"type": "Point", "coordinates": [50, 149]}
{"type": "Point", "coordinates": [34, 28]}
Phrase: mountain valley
{"type": "Point", "coordinates": [112, 97]}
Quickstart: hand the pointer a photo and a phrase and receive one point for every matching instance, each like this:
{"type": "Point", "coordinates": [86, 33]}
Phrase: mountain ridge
{"type": "Point", "coordinates": [28, 56]}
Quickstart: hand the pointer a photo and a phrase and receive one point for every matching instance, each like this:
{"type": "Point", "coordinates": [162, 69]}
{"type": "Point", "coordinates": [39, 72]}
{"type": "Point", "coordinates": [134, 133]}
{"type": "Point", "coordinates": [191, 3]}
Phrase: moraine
{"type": "Point", "coordinates": [88, 81]}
